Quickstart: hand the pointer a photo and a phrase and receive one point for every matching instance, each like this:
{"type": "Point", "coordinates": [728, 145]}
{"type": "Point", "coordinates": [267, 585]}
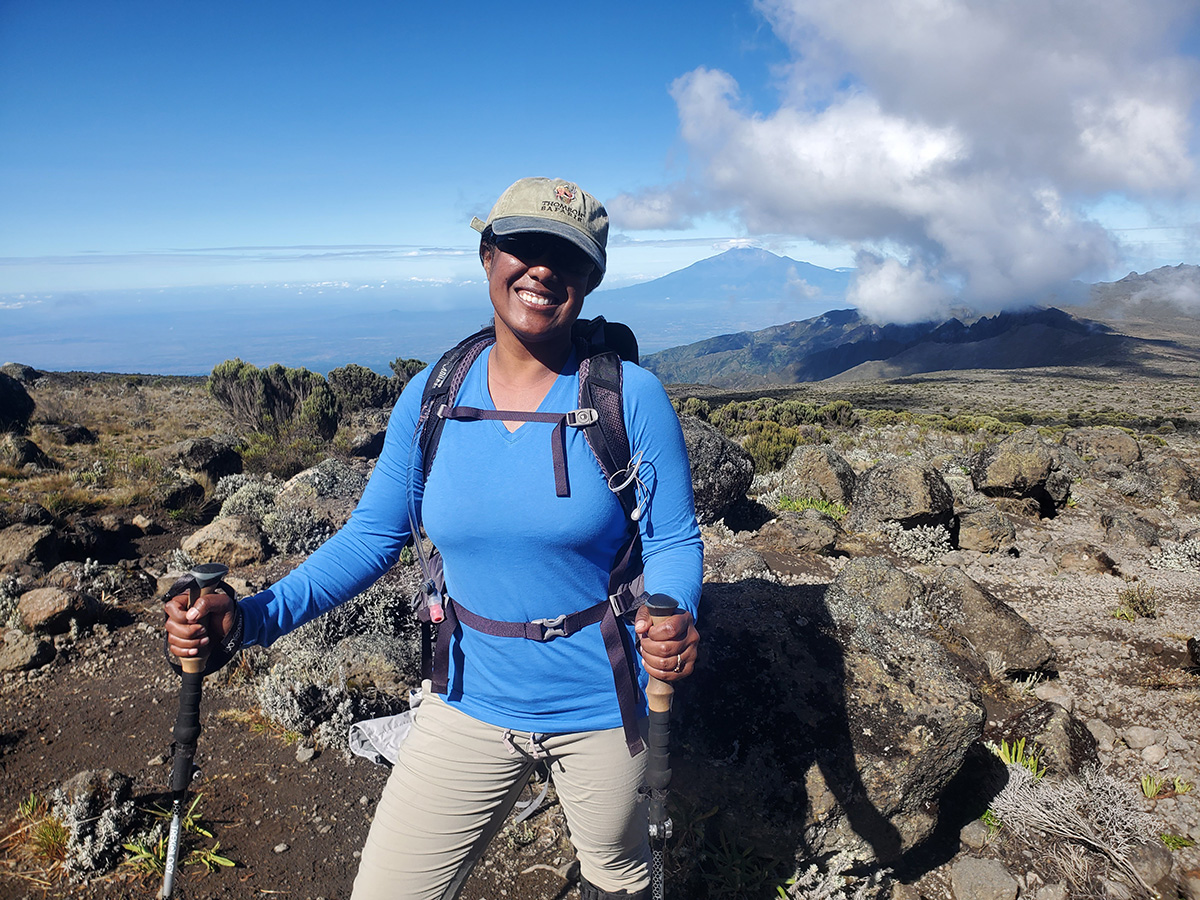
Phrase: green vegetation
{"type": "Point", "coordinates": [275, 400]}
{"type": "Point", "coordinates": [1152, 785]}
{"type": "Point", "coordinates": [1138, 601]}
{"type": "Point", "coordinates": [357, 387]}
{"type": "Point", "coordinates": [405, 369]}
{"type": "Point", "coordinates": [1014, 754]}
{"type": "Point", "coordinates": [1176, 841]}
{"type": "Point", "coordinates": [831, 509]}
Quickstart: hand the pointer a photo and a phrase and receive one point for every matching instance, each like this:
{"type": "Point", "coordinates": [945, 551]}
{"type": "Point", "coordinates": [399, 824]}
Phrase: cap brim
{"type": "Point", "coordinates": [507, 225]}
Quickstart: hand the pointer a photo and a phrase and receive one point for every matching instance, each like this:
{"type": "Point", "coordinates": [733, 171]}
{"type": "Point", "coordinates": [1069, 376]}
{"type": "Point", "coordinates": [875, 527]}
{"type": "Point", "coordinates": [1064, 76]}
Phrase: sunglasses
{"type": "Point", "coordinates": [531, 247]}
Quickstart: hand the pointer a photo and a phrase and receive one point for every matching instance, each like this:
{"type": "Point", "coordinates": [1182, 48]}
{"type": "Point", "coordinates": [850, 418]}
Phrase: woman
{"type": "Point", "coordinates": [514, 550]}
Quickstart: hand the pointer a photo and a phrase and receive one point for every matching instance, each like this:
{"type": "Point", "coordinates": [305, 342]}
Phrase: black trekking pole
{"type": "Point", "coordinates": [658, 765]}
{"type": "Point", "coordinates": [187, 725]}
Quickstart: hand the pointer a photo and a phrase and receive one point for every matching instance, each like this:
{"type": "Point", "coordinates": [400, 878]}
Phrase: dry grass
{"type": "Point", "coordinates": [131, 417]}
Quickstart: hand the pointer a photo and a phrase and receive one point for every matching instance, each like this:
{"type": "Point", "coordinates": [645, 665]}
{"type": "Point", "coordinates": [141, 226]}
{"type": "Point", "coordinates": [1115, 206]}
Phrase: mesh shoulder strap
{"type": "Point", "coordinates": [600, 387]}
{"type": "Point", "coordinates": [442, 387]}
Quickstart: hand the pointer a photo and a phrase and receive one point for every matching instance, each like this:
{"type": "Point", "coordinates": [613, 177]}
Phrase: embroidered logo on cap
{"type": "Point", "coordinates": [565, 192]}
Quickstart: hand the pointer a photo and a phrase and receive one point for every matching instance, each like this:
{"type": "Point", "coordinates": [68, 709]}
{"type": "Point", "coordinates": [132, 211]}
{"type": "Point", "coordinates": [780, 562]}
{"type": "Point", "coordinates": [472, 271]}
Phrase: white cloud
{"type": "Point", "coordinates": [967, 135]}
{"type": "Point", "coordinates": [887, 290]}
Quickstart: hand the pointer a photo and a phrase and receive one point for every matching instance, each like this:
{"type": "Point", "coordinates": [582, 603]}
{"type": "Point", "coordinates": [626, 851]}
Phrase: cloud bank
{"type": "Point", "coordinates": [955, 143]}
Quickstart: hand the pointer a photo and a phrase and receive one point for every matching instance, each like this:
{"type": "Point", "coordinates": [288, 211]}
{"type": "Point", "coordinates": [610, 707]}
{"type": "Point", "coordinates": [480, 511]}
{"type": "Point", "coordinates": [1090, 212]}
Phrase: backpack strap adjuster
{"type": "Point", "coordinates": [581, 418]}
{"type": "Point", "coordinates": [551, 629]}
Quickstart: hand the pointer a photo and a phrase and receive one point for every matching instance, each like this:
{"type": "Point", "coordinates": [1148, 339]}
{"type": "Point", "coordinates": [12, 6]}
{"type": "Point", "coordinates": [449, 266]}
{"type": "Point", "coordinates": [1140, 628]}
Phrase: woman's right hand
{"type": "Point", "coordinates": [190, 632]}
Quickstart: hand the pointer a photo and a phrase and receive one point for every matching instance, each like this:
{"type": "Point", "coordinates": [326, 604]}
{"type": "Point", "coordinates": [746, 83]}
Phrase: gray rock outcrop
{"type": "Point", "coordinates": [986, 624]}
{"type": "Point", "coordinates": [232, 540]}
{"type": "Point", "coordinates": [721, 470]}
{"type": "Point", "coordinates": [807, 531]}
{"type": "Point", "coordinates": [824, 717]}
{"type": "Point", "coordinates": [818, 472]}
{"type": "Point", "coordinates": [1023, 466]}
{"type": "Point", "coordinates": [900, 491]}
{"type": "Point", "coordinates": [20, 651]}
{"type": "Point", "coordinates": [53, 609]}
{"type": "Point", "coordinates": [16, 406]}
{"type": "Point", "coordinates": [985, 529]}
{"type": "Point", "coordinates": [1065, 743]}
{"type": "Point", "coordinates": [19, 451]}
{"type": "Point", "coordinates": [205, 460]}
{"type": "Point", "coordinates": [37, 546]}
{"type": "Point", "coordinates": [1104, 444]}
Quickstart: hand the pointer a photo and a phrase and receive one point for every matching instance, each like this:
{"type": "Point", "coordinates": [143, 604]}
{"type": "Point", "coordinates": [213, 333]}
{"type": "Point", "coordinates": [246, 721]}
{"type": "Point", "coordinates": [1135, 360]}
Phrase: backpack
{"type": "Point", "coordinates": [600, 347]}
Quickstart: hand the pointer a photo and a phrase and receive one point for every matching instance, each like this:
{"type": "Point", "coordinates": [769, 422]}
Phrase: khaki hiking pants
{"type": "Point", "coordinates": [455, 772]}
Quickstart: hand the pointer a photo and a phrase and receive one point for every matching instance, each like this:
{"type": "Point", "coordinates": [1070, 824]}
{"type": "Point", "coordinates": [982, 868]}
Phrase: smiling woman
{"type": "Point", "coordinates": [532, 538]}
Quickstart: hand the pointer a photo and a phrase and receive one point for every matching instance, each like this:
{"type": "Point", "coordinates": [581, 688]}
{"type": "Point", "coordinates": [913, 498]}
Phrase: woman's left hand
{"type": "Point", "coordinates": [669, 648]}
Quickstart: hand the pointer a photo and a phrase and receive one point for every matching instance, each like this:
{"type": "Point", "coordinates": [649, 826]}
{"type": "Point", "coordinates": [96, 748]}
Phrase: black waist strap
{"type": "Point", "coordinates": [616, 642]}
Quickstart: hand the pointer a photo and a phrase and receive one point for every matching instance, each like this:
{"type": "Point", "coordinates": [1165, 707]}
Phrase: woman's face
{"type": "Point", "coordinates": [537, 283]}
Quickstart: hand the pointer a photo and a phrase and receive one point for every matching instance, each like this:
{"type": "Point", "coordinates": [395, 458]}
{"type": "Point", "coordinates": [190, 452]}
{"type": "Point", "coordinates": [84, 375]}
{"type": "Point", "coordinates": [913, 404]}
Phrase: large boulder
{"type": "Point", "coordinates": [53, 609]}
{"type": "Point", "coordinates": [985, 529]}
{"type": "Point", "coordinates": [807, 531]}
{"type": "Point", "coordinates": [16, 406]}
{"type": "Point", "coordinates": [817, 723]}
{"type": "Point", "coordinates": [19, 451]}
{"type": "Point", "coordinates": [1023, 466]}
{"type": "Point", "coordinates": [205, 460]}
{"type": "Point", "coordinates": [1103, 444]}
{"type": "Point", "coordinates": [20, 651]}
{"type": "Point", "coordinates": [21, 372]}
{"type": "Point", "coordinates": [37, 546]}
{"type": "Point", "coordinates": [232, 540]}
{"type": "Point", "coordinates": [73, 433]}
{"type": "Point", "coordinates": [1175, 478]}
{"type": "Point", "coordinates": [1064, 743]}
{"type": "Point", "coordinates": [721, 470]}
{"type": "Point", "coordinates": [900, 491]}
{"type": "Point", "coordinates": [979, 620]}
{"type": "Point", "coordinates": [818, 472]}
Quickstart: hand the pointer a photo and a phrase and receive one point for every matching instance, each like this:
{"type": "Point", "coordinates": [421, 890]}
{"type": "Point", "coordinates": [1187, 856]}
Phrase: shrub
{"type": "Point", "coordinates": [274, 399]}
{"type": "Point", "coordinates": [357, 387]}
{"type": "Point", "coordinates": [839, 413]}
{"type": "Point", "coordinates": [405, 369]}
{"type": "Point", "coordinates": [693, 406]}
{"type": "Point", "coordinates": [770, 444]}
{"type": "Point", "coordinates": [281, 455]}
{"type": "Point", "coordinates": [830, 508]}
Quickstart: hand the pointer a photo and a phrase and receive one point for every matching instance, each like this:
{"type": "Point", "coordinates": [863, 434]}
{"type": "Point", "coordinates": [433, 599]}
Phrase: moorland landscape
{"type": "Point", "coordinates": [950, 617]}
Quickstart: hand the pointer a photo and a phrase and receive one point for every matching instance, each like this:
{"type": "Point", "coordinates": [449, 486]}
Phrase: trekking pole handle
{"type": "Point", "coordinates": [204, 577]}
{"type": "Point", "coordinates": [660, 693]}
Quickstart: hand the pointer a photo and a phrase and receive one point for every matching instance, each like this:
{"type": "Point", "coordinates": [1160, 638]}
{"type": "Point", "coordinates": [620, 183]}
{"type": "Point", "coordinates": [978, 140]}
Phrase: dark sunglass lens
{"type": "Point", "coordinates": [531, 248]}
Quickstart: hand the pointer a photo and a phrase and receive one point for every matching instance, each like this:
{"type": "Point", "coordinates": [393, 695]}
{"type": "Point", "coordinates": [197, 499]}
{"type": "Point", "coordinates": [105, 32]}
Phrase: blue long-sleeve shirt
{"type": "Point", "coordinates": [512, 549]}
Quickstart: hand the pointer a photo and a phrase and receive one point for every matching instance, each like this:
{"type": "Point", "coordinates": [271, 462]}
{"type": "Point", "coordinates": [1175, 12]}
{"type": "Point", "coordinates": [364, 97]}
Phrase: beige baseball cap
{"type": "Point", "coordinates": [552, 206]}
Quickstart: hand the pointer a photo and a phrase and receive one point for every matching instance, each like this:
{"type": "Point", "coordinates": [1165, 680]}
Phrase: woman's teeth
{"type": "Point", "coordinates": [535, 299]}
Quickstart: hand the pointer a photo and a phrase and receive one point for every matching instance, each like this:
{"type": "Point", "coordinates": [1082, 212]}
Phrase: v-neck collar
{"type": "Point", "coordinates": [558, 399]}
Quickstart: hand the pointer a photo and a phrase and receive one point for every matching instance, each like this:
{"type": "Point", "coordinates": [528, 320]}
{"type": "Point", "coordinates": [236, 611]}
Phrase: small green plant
{"type": "Point", "coordinates": [992, 821]}
{"type": "Point", "coordinates": [1138, 601]}
{"type": "Point", "coordinates": [1181, 786]}
{"type": "Point", "coordinates": [1176, 841]}
{"type": "Point", "coordinates": [190, 820]}
{"type": "Point", "coordinates": [209, 858]}
{"type": "Point", "coordinates": [32, 807]}
{"type": "Point", "coordinates": [1014, 754]}
{"type": "Point", "coordinates": [146, 856]}
{"type": "Point", "coordinates": [48, 839]}
{"type": "Point", "coordinates": [830, 508]}
{"type": "Point", "coordinates": [1152, 785]}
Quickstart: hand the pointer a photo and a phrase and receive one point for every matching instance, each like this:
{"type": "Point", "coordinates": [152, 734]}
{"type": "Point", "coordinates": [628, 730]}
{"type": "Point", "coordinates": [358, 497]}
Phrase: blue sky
{"type": "Point", "coordinates": [949, 149]}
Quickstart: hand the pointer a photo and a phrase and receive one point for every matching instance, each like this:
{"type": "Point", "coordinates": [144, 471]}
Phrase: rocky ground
{"type": "Point", "coordinates": [292, 813]}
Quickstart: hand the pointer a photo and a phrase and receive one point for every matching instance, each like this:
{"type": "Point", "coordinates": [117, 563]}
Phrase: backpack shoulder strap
{"type": "Point", "coordinates": [445, 379]}
{"type": "Point", "coordinates": [601, 388]}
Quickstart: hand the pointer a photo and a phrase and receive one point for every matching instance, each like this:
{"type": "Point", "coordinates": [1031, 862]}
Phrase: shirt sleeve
{"type": "Point", "coordinates": [672, 550]}
{"type": "Point", "coordinates": [362, 550]}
